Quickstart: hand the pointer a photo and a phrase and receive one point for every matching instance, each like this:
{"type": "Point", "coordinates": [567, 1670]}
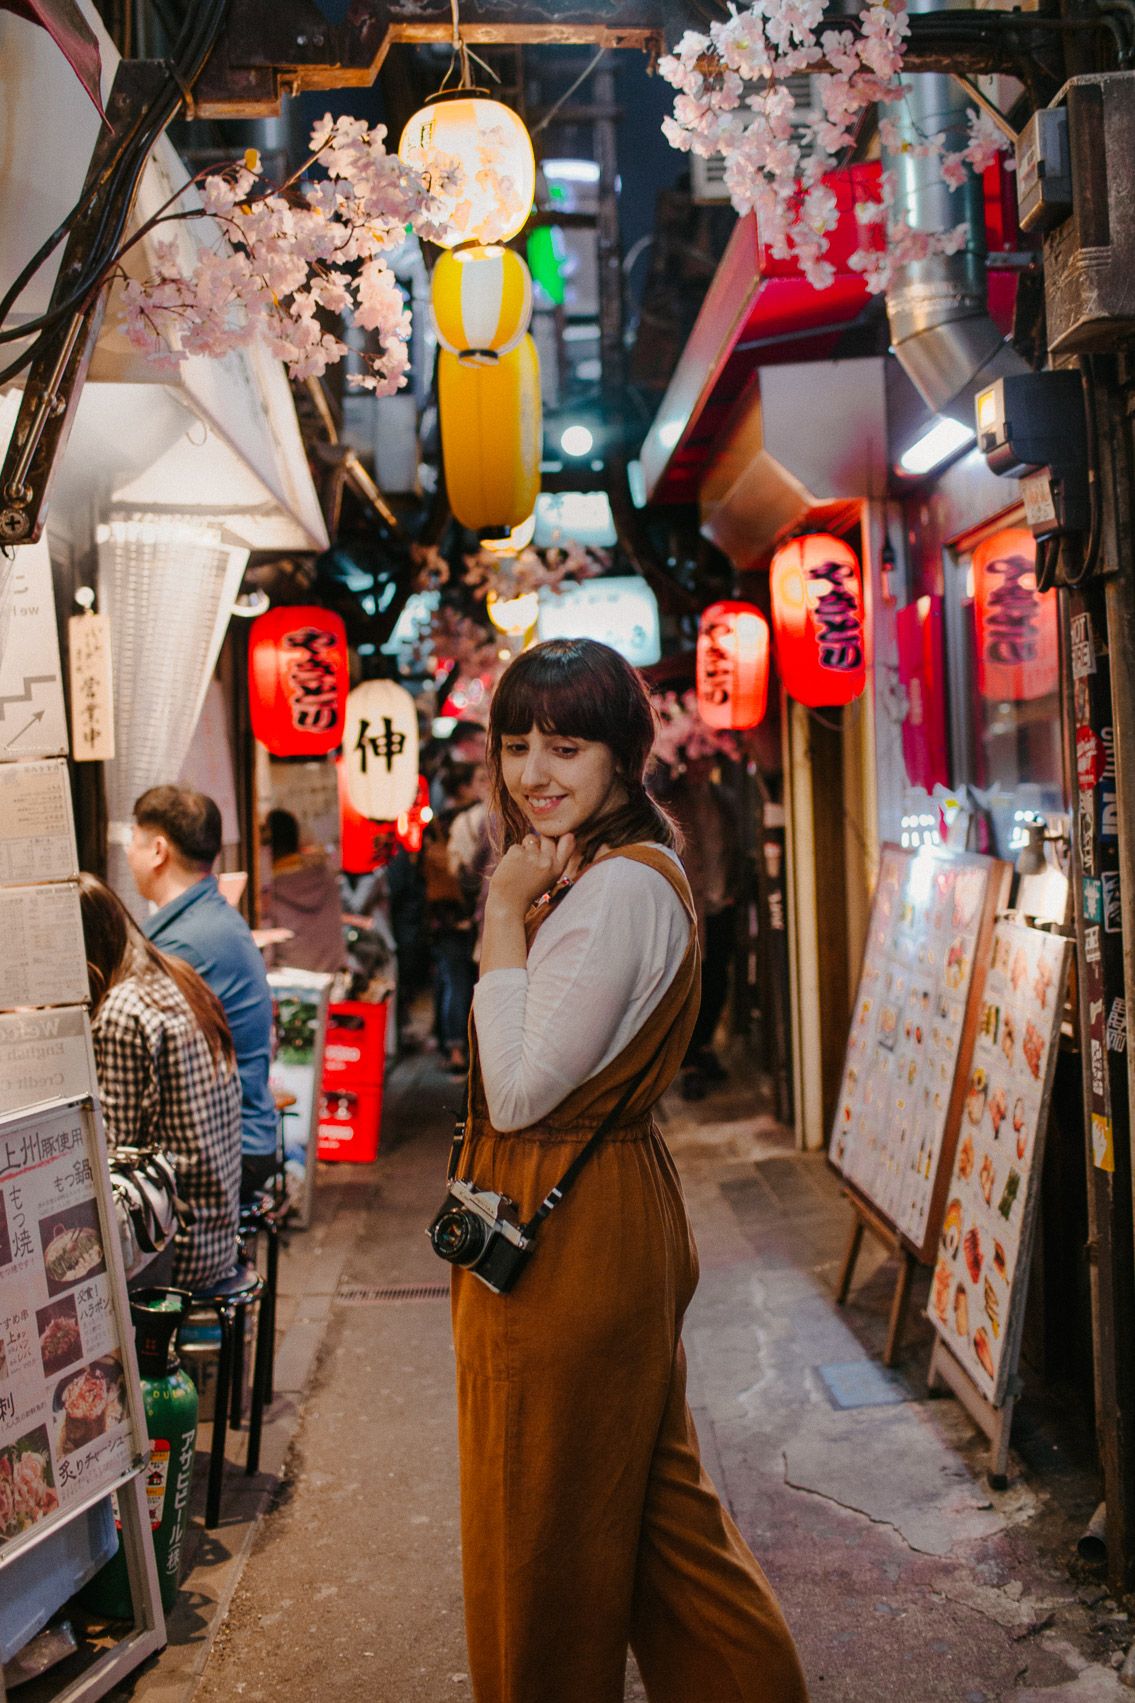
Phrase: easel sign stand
{"type": "Point", "coordinates": [888, 1236]}
{"type": "Point", "coordinates": [72, 1422]}
{"type": "Point", "coordinates": [913, 1029]}
{"type": "Point", "coordinates": [977, 1296]}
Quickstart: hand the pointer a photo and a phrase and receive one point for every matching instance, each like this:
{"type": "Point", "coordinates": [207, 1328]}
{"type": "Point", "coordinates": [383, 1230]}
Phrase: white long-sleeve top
{"type": "Point", "coordinates": [597, 968]}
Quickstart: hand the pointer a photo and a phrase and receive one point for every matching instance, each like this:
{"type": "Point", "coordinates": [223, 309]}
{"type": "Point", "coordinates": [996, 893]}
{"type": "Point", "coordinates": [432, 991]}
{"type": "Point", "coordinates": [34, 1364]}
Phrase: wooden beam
{"type": "Point", "coordinates": [276, 47]}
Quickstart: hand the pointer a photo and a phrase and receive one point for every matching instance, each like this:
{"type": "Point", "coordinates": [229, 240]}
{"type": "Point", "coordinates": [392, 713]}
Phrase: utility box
{"type": "Point", "coordinates": [1044, 174]}
{"type": "Point", "coordinates": [1089, 259]}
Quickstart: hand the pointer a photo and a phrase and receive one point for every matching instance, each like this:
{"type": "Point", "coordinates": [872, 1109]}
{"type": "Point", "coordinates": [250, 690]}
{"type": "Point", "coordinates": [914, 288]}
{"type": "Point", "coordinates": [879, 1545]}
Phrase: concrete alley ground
{"type": "Point", "coordinates": [902, 1575]}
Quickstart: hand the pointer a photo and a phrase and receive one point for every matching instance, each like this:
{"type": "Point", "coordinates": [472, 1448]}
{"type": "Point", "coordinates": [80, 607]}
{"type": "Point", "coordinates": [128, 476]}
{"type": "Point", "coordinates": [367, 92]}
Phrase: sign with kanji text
{"type": "Point", "coordinates": [71, 1421]}
{"type": "Point", "coordinates": [92, 700]}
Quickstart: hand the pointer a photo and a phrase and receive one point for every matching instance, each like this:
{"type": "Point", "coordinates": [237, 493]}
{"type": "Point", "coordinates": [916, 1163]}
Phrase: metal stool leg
{"type": "Point", "coordinates": [261, 1378]}
{"type": "Point", "coordinates": [273, 1230]}
{"type": "Point", "coordinates": [236, 1396]}
{"type": "Point", "coordinates": [220, 1419]}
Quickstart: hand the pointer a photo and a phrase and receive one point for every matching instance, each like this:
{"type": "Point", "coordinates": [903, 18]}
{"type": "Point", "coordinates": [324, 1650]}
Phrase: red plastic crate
{"type": "Point", "coordinates": [354, 1055]}
{"type": "Point", "coordinates": [349, 1121]}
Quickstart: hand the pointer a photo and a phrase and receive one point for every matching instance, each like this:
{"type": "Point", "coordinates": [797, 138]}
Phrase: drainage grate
{"type": "Point", "coordinates": [361, 1295]}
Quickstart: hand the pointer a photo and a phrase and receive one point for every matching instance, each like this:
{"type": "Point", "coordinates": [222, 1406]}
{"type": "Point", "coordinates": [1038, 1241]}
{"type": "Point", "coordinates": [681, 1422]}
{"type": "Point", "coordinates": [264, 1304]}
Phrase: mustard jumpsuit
{"type": "Point", "coordinates": [587, 1520]}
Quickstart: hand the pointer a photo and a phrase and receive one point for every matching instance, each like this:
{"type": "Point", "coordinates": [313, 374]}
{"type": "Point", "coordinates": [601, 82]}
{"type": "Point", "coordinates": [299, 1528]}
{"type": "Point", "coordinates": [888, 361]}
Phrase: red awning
{"type": "Point", "coordinates": [758, 311]}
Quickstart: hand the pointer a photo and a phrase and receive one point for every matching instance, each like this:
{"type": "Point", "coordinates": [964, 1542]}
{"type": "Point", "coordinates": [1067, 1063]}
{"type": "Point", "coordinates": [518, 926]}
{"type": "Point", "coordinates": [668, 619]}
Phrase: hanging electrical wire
{"type": "Point", "coordinates": [115, 189]}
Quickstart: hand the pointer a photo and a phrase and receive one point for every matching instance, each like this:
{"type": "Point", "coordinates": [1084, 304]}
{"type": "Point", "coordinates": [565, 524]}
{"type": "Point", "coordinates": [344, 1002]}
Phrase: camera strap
{"type": "Point", "coordinates": [554, 1196]}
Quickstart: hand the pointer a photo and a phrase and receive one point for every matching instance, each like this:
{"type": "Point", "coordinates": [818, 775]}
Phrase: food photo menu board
{"type": "Point", "coordinates": [977, 1296]}
{"type": "Point", "coordinates": [69, 1396]}
{"type": "Point", "coordinates": [911, 1033]}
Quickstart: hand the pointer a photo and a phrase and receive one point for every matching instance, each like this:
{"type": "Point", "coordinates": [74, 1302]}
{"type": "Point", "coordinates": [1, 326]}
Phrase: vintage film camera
{"type": "Point", "coordinates": [481, 1231]}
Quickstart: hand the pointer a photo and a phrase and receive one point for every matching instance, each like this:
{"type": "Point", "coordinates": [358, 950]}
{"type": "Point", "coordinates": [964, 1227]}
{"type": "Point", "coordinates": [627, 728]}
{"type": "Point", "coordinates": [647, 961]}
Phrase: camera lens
{"type": "Point", "coordinates": [459, 1236]}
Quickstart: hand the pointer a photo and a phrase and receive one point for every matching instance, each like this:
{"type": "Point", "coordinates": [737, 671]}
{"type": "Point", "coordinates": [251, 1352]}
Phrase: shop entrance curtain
{"type": "Point", "coordinates": [167, 583]}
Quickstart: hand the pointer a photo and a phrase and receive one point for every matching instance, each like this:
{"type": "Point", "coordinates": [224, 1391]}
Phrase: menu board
{"type": "Point", "coordinates": [43, 961]}
{"type": "Point", "coordinates": [37, 832]}
{"type": "Point", "coordinates": [45, 1055]}
{"type": "Point", "coordinates": [977, 1298]}
{"type": "Point", "coordinates": [68, 1396]}
{"type": "Point", "coordinates": [897, 1113]}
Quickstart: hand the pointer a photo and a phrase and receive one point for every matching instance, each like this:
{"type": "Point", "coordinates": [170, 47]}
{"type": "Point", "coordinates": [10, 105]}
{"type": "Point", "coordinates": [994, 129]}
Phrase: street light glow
{"type": "Point", "coordinates": [576, 440]}
{"type": "Point", "coordinates": [944, 439]}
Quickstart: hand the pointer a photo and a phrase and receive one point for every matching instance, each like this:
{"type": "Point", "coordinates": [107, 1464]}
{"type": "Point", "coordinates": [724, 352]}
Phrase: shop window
{"type": "Point", "coordinates": [1003, 685]}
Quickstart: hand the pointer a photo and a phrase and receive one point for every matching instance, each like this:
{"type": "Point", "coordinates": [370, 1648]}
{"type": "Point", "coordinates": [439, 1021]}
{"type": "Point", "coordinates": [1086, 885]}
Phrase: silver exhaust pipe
{"type": "Point", "coordinates": [941, 331]}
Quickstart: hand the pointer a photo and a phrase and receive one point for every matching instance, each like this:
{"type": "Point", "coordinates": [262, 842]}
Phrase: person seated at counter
{"type": "Point", "coordinates": [167, 1078]}
{"type": "Point", "coordinates": [175, 843]}
{"type": "Point", "coordinates": [304, 897]}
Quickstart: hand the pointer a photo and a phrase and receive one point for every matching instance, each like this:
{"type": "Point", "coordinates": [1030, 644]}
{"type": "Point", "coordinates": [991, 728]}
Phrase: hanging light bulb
{"type": "Point", "coordinates": [493, 150]}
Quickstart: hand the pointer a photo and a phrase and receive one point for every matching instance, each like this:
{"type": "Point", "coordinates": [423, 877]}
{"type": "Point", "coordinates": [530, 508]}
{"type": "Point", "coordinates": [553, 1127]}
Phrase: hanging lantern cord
{"type": "Point", "coordinates": [460, 55]}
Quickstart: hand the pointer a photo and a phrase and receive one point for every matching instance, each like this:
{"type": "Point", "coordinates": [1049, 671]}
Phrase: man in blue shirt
{"type": "Point", "coordinates": [176, 841]}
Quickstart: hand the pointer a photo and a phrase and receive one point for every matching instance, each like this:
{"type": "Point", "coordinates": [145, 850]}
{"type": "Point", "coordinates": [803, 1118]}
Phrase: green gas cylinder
{"type": "Point", "coordinates": [171, 1421]}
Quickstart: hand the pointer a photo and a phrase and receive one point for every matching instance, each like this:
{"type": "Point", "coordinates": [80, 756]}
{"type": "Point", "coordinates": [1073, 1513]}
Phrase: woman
{"type": "Point", "coordinates": [587, 1520]}
{"type": "Point", "coordinates": [167, 1077]}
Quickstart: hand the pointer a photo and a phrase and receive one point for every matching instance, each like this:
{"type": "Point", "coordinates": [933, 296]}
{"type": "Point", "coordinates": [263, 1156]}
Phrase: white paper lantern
{"type": "Point", "coordinates": [495, 151]}
{"type": "Point", "coordinates": [380, 749]}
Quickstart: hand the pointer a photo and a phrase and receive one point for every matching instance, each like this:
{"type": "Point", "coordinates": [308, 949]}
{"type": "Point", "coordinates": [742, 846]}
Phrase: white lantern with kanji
{"type": "Point", "coordinates": [380, 749]}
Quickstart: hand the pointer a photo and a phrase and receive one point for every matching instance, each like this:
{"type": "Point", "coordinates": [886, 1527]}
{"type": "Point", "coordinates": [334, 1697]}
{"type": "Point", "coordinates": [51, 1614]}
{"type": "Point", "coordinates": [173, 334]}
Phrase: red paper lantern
{"type": "Point", "coordinates": [363, 845]}
{"type": "Point", "coordinates": [817, 618]}
{"type": "Point", "coordinates": [297, 675]}
{"type": "Point", "coordinates": [410, 825]}
{"type": "Point", "coordinates": [733, 647]}
{"type": "Point", "coordinates": [1017, 655]}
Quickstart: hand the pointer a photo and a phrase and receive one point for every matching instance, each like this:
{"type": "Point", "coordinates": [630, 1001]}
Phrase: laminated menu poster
{"type": "Point", "coordinates": [43, 961]}
{"type": "Point", "coordinates": [898, 1108]}
{"type": "Point", "coordinates": [67, 1395]}
{"type": "Point", "coordinates": [977, 1297]}
{"type": "Point", "coordinates": [37, 829]}
{"type": "Point", "coordinates": [45, 1055]}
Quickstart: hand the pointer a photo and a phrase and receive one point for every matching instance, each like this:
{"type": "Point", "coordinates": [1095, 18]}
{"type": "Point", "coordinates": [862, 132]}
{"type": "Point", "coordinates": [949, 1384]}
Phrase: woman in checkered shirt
{"type": "Point", "coordinates": [167, 1076]}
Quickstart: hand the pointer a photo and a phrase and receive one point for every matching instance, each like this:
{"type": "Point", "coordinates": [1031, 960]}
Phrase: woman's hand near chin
{"type": "Point", "coordinates": [524, 873]}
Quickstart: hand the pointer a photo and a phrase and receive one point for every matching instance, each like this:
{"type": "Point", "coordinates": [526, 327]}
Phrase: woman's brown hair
{"type": "Point", "coordinates": [583, 690]}
{"type": "Point", "coordinates": [116, 949]}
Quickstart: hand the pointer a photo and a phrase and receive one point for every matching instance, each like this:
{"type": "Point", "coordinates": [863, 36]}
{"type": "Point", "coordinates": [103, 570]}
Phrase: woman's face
{"type": "Point", "coordinates": [559, 782]}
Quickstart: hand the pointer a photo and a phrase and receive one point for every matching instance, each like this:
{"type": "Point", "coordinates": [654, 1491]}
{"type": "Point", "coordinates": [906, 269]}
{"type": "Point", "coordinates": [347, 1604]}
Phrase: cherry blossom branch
{"type": "Point", "coordinates": [286, 255]}
{"type": "Point", "coordinates": [782, 170]}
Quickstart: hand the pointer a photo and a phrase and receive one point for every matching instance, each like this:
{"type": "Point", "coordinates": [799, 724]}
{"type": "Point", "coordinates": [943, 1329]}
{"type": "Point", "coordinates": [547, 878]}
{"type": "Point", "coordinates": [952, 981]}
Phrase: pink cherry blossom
{"type": "Point", "coordinates": [773, 163]}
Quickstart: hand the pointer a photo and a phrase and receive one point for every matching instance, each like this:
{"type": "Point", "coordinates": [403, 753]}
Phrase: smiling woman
{"type": "Point", "coordinates": [587, 1521]}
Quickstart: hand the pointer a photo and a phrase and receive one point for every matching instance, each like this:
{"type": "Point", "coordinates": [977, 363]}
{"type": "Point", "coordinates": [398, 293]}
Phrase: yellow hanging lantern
{"type": "Point", "coordinates": [513, 614]}
{"type": "Point", "coordinates": [498, 170]}
{"type": "Point", "coordinates": [518, 539]}
{"type": "Point", "coordinates": [482, 303]}
{"type": "Point", "coordinates": [490, 438]}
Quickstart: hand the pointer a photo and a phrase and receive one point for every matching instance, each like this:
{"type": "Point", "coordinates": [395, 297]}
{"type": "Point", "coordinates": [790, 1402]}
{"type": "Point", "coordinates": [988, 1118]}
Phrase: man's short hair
{"type": "Point", "coordinates": [190, 821]}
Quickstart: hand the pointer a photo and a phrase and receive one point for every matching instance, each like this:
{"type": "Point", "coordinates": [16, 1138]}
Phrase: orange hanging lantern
{"type": "Point", "coordinates": [1016, 624]}
{"type": "Point", "coordinates": [363, 845]}
{"type": "Point", "coordinates": [817, 619]}
{"type": "Point", "coordinates": [732, 665]}
{"type": "Point", "coordinates": [297, 676]}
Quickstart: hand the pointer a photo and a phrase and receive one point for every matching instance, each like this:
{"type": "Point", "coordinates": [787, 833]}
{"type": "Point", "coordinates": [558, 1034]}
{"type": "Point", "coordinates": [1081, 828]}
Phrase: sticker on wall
{"type": "Point", "coordinates": [33, 722]}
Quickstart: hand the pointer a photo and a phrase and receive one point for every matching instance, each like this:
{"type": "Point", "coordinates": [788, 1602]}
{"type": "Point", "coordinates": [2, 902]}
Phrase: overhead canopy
{"type": "Point", "coordinates": [759, 311]}
{"type": "Point", "coordinates": [219, 436]}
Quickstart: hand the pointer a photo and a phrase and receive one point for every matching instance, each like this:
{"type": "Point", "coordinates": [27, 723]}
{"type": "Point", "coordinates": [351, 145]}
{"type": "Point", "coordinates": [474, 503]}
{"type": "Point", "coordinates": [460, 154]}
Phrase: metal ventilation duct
{"type": "Point", "coordinates": [167, 583]}
{"type": "Point", "coordinates": [941, 331]}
